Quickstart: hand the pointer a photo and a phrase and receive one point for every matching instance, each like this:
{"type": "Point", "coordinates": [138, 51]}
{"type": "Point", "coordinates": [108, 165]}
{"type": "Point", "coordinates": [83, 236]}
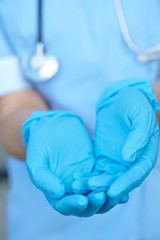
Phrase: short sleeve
{"type": "Point", "coordinates": [11, 78]}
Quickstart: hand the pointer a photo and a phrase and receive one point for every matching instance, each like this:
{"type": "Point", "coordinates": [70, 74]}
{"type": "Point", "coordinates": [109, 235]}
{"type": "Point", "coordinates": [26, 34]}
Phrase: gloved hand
{"type": "Point", "coordinates": [126, 139]}
{"type": "Point", "coordinates": [97, 182]}
{"type": "Point", "coordinates": [58, 146]}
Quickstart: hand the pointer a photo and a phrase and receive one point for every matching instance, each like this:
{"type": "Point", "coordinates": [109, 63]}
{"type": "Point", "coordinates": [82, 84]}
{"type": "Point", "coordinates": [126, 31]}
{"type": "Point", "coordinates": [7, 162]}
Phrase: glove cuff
{"type": "Point", "coordinates": [143, 85]}
{"type": "Point", "coordinates": [36, 116]}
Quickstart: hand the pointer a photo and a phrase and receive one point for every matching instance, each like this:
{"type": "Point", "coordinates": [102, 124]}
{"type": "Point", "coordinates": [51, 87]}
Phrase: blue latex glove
{"type": "Point", "coordinates": [126, 140]}
{"type": "Point", "coordinates": [58, 146]}
{"type": "Point", "coordinates": [126, 136]}
{"type": "Point", "coordinates": [97, 182]}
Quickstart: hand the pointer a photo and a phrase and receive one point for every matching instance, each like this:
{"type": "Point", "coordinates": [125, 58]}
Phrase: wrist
{"type": "Point", "coordinates": [37, 116]}
{"type": "Point", "coordinates": [141, 84]}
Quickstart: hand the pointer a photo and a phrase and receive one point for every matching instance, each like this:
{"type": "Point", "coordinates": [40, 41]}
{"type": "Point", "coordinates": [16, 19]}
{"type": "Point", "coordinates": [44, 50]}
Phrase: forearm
{"type": "Point", "coordinates": [156, 88]}
{"type": "Point", "coordinates": [11, 121]}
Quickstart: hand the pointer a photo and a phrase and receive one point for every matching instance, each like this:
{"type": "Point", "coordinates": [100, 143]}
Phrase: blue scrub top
{"type": "Point", "coordinates": [86, 38]}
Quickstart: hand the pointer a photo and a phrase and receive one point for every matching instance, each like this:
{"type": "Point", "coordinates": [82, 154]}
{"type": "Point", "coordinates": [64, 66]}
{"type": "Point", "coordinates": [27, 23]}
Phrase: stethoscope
{"type": "Point", "coordinates": [41, 67]}
{"type": "Point", "coordinates": [143, 55]}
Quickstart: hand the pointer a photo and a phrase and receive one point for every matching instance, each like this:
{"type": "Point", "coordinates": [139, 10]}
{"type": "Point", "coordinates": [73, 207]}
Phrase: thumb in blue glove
{"type": "Point", "coordinates": [127, 135]}
{"type": "Point", "coordinates": [58, 147]}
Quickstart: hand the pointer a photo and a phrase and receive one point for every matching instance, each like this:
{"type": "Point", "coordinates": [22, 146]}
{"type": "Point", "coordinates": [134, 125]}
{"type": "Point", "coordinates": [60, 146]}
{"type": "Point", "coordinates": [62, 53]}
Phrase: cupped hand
{"type": "Point", "coordinates": [58, 146]}
{"type": "Point", "coordinates": [126, 140]}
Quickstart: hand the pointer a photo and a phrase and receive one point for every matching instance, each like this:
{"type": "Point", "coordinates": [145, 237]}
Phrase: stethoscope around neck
{"type": "Point", "coordinates": [42, 66]}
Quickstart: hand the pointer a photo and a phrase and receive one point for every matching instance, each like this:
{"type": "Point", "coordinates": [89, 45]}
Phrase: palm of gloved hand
{"type": "Point", "coordinates": [126, 145]}
{"type": "Point", "coordinates": [127, 132]}
{"type": "Point", "coordinates": [59, 146]}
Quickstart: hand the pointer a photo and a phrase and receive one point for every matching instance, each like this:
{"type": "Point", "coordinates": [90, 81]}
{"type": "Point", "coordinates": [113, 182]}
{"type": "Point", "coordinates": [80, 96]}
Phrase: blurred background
{"type": "Point", "coordinates": [3, 194]}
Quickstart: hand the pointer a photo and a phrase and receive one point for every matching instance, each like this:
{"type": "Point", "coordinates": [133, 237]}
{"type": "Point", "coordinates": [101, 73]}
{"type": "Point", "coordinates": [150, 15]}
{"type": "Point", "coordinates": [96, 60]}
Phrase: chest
{"type": "Point", "coordinates": [86, 36]}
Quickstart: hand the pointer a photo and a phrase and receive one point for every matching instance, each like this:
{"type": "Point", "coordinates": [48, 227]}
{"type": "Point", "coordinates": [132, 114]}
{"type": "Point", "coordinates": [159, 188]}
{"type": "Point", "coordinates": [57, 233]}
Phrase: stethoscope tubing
{"type": "Point", "coordinates": [39, 22]}
{"type": "Point", "coordinates": [153, 52]}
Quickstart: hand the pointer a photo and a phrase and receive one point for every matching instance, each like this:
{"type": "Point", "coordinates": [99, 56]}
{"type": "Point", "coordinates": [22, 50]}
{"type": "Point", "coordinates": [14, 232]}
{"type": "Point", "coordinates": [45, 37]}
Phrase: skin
{"type": "Point", "coordinates": [14, 110]}
{"type": "Point", "coordinates": [156, 88]}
